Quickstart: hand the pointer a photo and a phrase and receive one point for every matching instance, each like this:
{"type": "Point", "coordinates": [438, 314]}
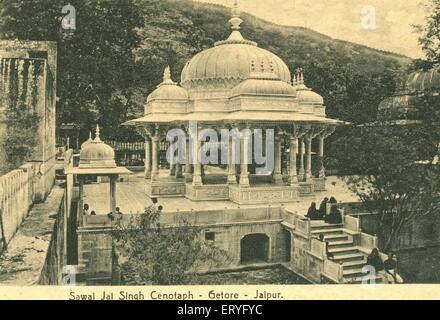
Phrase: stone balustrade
{"type": "Point", "coordinates": [17, 194]}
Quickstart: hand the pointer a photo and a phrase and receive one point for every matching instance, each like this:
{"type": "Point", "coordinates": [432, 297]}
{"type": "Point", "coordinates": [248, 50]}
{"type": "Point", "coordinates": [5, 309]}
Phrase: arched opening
{"type": "Point", "coordinates": [254, 248]}
{"type": "Point", "coordinates": [287, 237]}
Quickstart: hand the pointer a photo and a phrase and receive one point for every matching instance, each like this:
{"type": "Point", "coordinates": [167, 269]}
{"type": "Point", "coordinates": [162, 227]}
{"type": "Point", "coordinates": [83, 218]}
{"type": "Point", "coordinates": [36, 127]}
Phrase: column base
{"type": "Point", "coordinates": [278, 179]}
{"type": "Point", "coordinates": [165, 188]}
{"type": "Point", "coordinates": [232, 179]}
{"type": "Point", "coordinates": [197, 180]}
{"type": "Point", "coordinates": [244, 181]}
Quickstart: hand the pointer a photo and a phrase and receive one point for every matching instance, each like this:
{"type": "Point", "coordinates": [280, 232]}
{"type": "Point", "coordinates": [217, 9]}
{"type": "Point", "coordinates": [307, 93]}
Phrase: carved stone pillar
{"type": "Point", "coordinates": [147, 172]}
{"type": "Point", "coordinates": [308, 169]}
{"type": "Point", "coordinates": [321, 156]}
{"type": "Point", "coordinates": [244, 173]}
{"type": "Point", "coordinates": [293, 175]}
{"type": "Point", "coordinates": [155, 157]}
{"type": "Point", "coordinates": [301, 160]}
{"type": "Point", "coordinates": [197, 176]}
{"type": "Point", "coordinates": [188, 170]}
{"type": "Point", "coordinates": [179, 172]}
{"type": "Point", "coordinates": [277, 176]}
{"type": "Point", "coordinates": [232, 169]}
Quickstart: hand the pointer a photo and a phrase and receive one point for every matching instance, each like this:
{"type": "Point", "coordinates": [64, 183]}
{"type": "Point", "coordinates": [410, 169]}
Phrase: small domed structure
{"type": "Point", "coordinates": [168, 90]}
{"type": "Point", "coordinates": [263, 84]}
{"type": "Point", "coordinates": [87, 142]}
{"type": "Point", "coordinates": [97, 154]}
{"type": "Point", "coordinates": [424, 81]}
{"type": "Point", "coordinates": [306, 95]}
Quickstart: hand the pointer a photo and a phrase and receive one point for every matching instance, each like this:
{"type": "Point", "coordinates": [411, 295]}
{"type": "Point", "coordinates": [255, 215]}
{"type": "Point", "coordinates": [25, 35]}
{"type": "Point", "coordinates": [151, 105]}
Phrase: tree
{"type": "Point", "coordinates": [151, 253]}
{"type": "Point", "coordinates": [96, 62]}
{"type": "Point", "coordinates": [392, 169]}
{"type": "Point", "coordinates": [430, 32]}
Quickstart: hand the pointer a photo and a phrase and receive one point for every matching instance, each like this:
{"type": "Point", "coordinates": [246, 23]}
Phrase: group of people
{"type": "Point", "coordinates": [87, 212]}
{"type": "Point", "coordinates": [111, 215]}
{"type": "Point", "coordinates": [333, 217]}
{"type": "Point", "coordinates": [387, 269]}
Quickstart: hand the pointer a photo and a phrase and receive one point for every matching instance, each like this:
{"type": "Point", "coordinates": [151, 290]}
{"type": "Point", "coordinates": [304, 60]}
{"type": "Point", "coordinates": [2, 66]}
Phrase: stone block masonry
{"type": "Point", "coordinates": [28, 72]}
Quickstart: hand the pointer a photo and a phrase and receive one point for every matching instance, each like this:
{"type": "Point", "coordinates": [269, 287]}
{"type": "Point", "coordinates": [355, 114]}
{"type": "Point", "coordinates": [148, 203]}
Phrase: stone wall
{"type": "Point", "coordinates": [28, 78]}
{"type": "Point", "coordinates": [229, 227]}
{"type": "Point", "coordinates": [56, 258]}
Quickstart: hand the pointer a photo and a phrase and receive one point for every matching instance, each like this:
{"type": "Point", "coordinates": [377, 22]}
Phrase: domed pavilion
{"type": "Point", "coordinates": [97, 159]}
{"type": "Point", "coordinates": [237, 84]}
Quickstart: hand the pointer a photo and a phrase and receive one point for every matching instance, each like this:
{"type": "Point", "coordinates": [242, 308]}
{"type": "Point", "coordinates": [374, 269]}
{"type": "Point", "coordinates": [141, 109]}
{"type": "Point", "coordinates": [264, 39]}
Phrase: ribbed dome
{"type": "Point", "coordinates": [257, 86]}
{"type": "Point", "coordinates": [309, 97]}
{"type": "Point", "coordinates": [97, 154]}
{"type": "Point", "coordinates": [305, 95]}
{"type": "Point", "coordinates": [168, 90]}
{"type": "Point", "coordinates": [230, 61]}
{"type": "Point", "coordinates": [422, 81]}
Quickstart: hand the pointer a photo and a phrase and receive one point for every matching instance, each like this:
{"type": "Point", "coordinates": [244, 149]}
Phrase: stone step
{"type": "Point", "coordinates": [326, 232]}
{"type": "Point", "coordinates": [343, 251]}
{"type": "Point", "coordinates": [353, 264]}
{"type": "Point", "coordinates": [340, 244]}
{"type": "Point", "coordinates": [324, 225]}
{"type": "Point", "coordinates": [337, 237]}
{"type": "Point", "coordinates": [349, 273]}
{"type": "Point", "coordinates": [358, 280]}
{"type": "Point", "coordinates": [349, 257]}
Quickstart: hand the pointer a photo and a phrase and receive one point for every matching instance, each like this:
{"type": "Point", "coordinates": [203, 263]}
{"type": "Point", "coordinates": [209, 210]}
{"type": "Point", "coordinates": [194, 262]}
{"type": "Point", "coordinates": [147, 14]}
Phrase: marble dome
{"type": "Point", "coordinates": [306, 95]}
{"type": "Point", "coordinates": [230, 62]}
{"type": "Point", "coordinates": [168, 90]}
{"type": "Point", "coordinates": [264, 86]}
{"type": "Point", "coordinates": [97, 154]}
{"type": "Point", "coordinates": [421, 81]}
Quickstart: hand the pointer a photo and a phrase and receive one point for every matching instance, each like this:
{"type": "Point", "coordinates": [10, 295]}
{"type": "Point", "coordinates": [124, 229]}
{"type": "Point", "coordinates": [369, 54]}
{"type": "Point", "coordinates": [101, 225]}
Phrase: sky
{"type": "Point", "coordinates": [351, 20]}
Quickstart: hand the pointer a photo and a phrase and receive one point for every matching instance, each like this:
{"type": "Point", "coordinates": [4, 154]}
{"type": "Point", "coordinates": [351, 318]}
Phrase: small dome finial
{"type": "Point", "coordinates": [235, 20]}
{"type": "Point", "coordinates": [167, 76]}
{"type": "Point", "coordinates": [97, 134]}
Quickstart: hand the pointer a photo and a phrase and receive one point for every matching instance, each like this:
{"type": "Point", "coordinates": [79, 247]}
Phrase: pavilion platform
{"type": "Point", "coordinates": [132, 198]}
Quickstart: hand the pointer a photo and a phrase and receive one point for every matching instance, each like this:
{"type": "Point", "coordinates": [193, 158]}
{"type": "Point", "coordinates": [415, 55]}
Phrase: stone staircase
{"type": "Point", "coordinates": [345, 252]}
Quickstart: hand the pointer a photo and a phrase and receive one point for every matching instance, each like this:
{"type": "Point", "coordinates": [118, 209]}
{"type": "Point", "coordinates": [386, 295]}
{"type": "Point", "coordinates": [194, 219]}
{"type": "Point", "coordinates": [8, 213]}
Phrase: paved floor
{"type": "Point", "coordinates": [131, 198]}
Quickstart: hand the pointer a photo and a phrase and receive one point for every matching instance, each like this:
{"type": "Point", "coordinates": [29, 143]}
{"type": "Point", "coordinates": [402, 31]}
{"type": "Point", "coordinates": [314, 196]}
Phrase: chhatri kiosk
{"type": "Point", "coordinates": [236, 84]}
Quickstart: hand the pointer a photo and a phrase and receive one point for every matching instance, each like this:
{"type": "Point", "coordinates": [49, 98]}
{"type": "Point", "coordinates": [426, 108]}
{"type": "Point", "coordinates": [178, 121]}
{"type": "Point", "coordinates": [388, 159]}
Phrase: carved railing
{"type": "Point", "coordinates": [303, 226]}
{"type": "Point", "coordinates": [17, 194]}
{"type": "Point", "coordinates": [317, 248]}
{"type": "Point", "coordinates": [333, 270]}
{"type": "Point", "coordinates": [368, 241]}
{"type": "Point", "coordinates": [352, 223]}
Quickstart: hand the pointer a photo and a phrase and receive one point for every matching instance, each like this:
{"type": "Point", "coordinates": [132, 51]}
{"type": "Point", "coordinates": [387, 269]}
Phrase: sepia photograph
{"type": "Point", "coordinates": [219, 149]}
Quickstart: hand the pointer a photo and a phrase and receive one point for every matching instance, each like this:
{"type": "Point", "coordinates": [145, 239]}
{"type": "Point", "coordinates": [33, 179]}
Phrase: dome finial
{"type": "Point", "coordinates": [167, 76]}
{"type": "Point", "coordinates": [97, 134]}
{"type": "Point", "coordinates": [235, 20]}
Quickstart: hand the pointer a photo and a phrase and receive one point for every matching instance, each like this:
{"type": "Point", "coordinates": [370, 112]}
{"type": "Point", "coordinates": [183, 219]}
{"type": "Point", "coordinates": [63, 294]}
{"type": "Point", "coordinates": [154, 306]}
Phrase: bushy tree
{"type": "Point", "coordinates": [95, 62]}
{"type": "Point", "coordinates": [393, 168]}
{"type": "Point", "coordinates": [151, 253]}
{"type": "Point", "coordinates": [430, 32]}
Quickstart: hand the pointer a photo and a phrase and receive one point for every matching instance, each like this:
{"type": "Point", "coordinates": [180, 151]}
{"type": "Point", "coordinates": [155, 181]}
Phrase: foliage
{"type": "Point", "coordinates": [393, 170]}
{"type": "Point", "coordinates": [120, 48]}
{"type": "Point", "coordinates": [20, 138]}
{"type": "Point", "coordinates": [150, 253]}
{"type": "Point", "coordinates": [430, 32]}
{"type": "Point", "coordinates": [95, 62]}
